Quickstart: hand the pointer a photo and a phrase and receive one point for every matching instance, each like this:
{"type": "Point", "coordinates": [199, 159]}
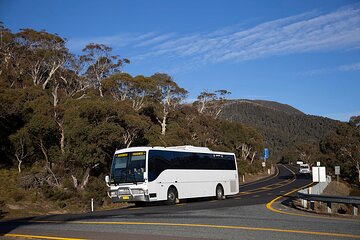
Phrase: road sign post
{"type": "Point", "coordinates": [266, 153]}
{"type": "Point", "coordinates": [337, 173]}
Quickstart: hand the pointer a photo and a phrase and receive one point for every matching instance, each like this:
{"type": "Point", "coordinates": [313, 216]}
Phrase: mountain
{"type": "Point", "coordinates": [282, 126]}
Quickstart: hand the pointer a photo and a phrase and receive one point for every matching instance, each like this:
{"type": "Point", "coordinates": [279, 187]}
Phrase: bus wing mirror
{"type": "Point", "coordinates": [107, 180]}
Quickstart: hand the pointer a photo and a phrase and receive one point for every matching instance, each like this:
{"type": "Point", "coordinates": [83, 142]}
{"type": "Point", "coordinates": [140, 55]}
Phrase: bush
{"type": "Point", "coordinates": [95, 189]}
{"type": "Point", "coordinates": [2, 204]}
{"type": "Point", "coordinates": [18, 196]}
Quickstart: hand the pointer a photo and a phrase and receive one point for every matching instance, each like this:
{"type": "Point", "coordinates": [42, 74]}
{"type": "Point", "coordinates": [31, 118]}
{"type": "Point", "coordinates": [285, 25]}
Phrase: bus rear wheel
{"type": "Point", "coordinates": [219, 192]}
{"type": "Point", "coordinates": [171, 196]}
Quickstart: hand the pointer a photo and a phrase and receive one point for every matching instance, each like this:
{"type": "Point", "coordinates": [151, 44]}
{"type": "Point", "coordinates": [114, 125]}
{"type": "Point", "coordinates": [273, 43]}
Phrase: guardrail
{"type": "Point", "coordinates": [318, 188]}
{"type": "Point", "coordinates": [333, 199]}
{"type": "Point", "coordinates": [311, 197]}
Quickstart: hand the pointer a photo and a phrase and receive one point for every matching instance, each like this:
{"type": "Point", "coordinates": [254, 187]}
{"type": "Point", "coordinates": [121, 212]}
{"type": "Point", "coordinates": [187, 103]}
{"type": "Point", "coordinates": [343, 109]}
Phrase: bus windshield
{"type": "Point", "coordinates": [128, 167]}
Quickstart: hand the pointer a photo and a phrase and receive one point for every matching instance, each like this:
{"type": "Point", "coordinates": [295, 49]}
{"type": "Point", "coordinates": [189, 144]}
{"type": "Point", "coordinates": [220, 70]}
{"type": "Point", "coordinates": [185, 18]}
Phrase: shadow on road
{"type": "Point", "coordinates": [289, 201]}
{"type": "Point", "coordinates": [2, 214]}
{"type": "Point", "coordinates": [155, 210]}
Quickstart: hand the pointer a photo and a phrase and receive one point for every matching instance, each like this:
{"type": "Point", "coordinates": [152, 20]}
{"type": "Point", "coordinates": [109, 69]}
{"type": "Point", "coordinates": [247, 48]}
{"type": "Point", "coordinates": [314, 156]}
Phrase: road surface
{"type": "Point", "coordinates": [259, 211]}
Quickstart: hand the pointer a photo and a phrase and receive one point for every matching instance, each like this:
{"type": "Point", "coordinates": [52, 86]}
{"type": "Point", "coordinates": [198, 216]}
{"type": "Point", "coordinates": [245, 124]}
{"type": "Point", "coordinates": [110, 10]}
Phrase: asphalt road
{"type": "Point", "coordinates": [252, 214]}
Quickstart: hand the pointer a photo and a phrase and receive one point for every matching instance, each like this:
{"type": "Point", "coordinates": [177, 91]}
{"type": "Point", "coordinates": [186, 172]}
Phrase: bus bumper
{"type": "Point", "coordinates": [115, 198]}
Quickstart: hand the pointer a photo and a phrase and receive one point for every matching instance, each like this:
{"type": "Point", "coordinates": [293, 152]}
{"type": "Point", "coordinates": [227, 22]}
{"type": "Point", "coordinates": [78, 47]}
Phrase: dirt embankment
{"type": "Point", "coordinates": [337, 189]}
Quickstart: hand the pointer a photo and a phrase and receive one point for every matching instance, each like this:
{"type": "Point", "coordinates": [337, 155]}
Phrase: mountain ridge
{"type": "Point", "coordinates": [281, 125]}
{"type": "Point", "coordinates": [271, 105]}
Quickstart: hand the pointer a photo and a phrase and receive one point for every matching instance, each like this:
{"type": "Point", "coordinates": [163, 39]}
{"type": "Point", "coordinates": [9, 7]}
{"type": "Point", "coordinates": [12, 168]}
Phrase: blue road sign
{"type": "Point", "coordinates": [266, 153]}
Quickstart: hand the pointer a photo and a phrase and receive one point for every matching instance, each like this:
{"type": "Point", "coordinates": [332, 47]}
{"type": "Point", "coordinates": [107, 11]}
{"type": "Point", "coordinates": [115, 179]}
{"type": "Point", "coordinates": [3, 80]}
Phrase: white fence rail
{"type": "Point", "coordinates": [318, 188]}
{"type": "Point", "coordinates": [313, 194]}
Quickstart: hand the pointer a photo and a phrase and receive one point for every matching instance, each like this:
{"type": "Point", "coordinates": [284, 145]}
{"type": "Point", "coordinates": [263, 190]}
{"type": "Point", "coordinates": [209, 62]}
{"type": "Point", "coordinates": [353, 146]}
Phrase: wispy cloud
{"type": "Point", "coordinates": [350, 68]}
{"type": "Point", "coordinates": [354, 67]}
{"type": "Point", "coordinates": [296, 34]}
{"type": "Point", "coordinates": [118, 40]}
{"type": "Point", "coordinates": [307, 32]}
{"type": "Point", "coordinates": [315, 72]}
{"type": "Point", "coordinates": [155, 40]}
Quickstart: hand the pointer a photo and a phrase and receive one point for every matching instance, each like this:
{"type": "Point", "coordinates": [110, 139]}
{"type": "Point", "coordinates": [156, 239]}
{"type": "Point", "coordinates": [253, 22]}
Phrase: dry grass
{"type": "Point", "coordinates": [337, 189]}
{"type": "Point", "coordinates": [254, 177]}
{"type": "Point", "coordinates": [17, 202]}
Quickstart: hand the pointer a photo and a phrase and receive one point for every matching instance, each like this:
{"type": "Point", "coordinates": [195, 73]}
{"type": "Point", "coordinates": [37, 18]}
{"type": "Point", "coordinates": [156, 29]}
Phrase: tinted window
{"type": "Point", "coordinates": [162, 160]}
{"type": "Point", "coordinates": [128, 167]}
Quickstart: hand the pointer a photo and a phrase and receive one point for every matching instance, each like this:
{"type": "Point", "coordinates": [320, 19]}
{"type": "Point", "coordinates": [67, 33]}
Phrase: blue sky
{"type": "Point", "coordinates": [303, 53]}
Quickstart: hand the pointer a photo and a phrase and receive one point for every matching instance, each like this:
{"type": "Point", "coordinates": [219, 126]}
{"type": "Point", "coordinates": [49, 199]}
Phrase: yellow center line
{"type": "Point", "coordinates": [262, 180]}
{"type": "Point", "coordinates": [270, 186]}
{"type": "Point", "coordinates": [39, 237]}
{"type": "Point", "coordinates": [212, 226]}
{"type": "Point", "coordinates": [277, 173]}
{"type": "Point", "coordinates": [271, 208]}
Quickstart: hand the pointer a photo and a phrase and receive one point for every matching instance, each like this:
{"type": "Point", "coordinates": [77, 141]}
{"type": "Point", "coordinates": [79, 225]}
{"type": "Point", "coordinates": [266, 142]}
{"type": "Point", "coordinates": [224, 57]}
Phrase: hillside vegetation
{"type": "Point", "coordinates": [283, 127]}
{"type": "Point", "coordinates": [292, 135]}
{"type": "Point", "coordinates": [62, 116]}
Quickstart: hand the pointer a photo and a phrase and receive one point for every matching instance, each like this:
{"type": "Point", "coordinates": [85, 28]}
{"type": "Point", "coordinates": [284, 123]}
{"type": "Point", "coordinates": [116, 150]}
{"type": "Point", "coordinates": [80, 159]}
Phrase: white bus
{"type": "Point", "coordinates": [148, 174]}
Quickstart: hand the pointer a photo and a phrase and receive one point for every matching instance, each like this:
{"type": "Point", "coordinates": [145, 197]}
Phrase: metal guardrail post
{"type": "Point", "coordinates": [328, 207]}
{"type": "Point", "coordinates": [312, 205]}
{"type": "Point", "coordinates": [304, 203]}
{"type": "Point", "coordinates": [312, 195]}
{"type": "Point", "coordinates": [355, 209]}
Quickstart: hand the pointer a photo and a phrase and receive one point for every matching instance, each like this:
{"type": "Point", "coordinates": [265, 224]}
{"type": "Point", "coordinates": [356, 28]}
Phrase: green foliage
{"type": "Point", "coordinates": [342, 148]}
{"type": "Point", "coordinates": [284, 128]}
{"type": "Point", "coordinates": [62, 117]}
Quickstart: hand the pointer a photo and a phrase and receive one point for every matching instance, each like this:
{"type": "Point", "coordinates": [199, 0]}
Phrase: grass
{"type": "Point", "coordinates": [16, 202]}
{"type": "Point", "coordinates": [337, 189]}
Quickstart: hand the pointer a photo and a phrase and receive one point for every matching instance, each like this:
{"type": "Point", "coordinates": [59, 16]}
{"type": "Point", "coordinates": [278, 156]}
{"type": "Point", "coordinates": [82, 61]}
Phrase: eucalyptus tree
{"type": "Point", "coordinates": [204, 99]}
{"type": "Point", "coordinates": [342, 147]}
{"type": "Point", "coordinates": [45, 54]}
{"type": "Point", "coordinates": [119, 86]}
{"type": "Point", "coordinates": [169, 97]}
{"type": "Point", "coordinates": [100, 64]}
{"type": "Point", "coordinates": [211, 103]}
{"type": "Point", "coordinates": [8, 63]}
{"type": "Point", "coordinates": [140, 90]}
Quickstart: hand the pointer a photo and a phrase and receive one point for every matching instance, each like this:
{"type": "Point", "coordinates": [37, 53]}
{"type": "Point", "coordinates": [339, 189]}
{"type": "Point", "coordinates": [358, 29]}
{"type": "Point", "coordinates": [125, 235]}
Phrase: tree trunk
{"type": "Point", "coordinates": [19, 165]}
{"type": "Point", "coordinates": [75, 181]}
{"type": "Point", "coordinates": [163, 122]}
{"type": "Point", "coordinates": [53, 69]}
{"type": "Point", "coordinates": [358, 169]}
{"type": "Point", "coordinates": [62, 139]}
{"type": "Point", "coordinates": [202, 107]}
{"type": "Point", "coordinates": [44, 151]}
{"type": "Point", "coordinates": [85, 179]}
{"type": "Point", "coordinates": [100, 90]}
{"type": "Point", "coordinates": [56, 117]}
{"type": "Point", "coordinates": [252, 157]}
{"type": "Point", "coordinates": [163, 125]}
{"type": "Point", "coordinates": [128, 138]}
{"type": "Point", "coordinates": [55, 95]}
{"type": "Point", "coordinates": [55, 178]}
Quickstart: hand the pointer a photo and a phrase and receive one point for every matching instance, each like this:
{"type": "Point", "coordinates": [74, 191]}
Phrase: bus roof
{"type": "Point", "coordinates": [185, 148]}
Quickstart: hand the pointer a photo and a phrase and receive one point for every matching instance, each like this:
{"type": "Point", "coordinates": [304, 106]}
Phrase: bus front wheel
{"type": "Point", "coordinates": [219, 192]}
{"type": "Point", "coordinates": [172, 196]}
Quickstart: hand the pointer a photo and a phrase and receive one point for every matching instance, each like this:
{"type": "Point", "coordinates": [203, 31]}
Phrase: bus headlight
{"type": "Point", "coordinates": [113, 194]}
{"type": "Point", "coordinates": [137, 191]}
